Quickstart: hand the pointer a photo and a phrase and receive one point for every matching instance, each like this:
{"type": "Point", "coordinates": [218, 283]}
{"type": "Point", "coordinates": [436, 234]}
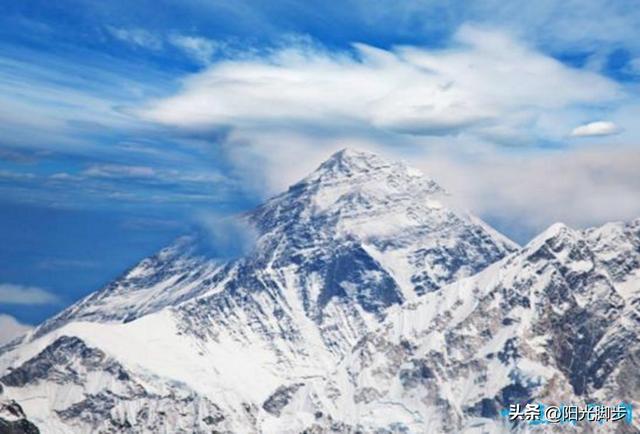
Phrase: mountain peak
{"type": "Point", "coordinates": [352, 184]}
{"type": "Point", "coordinates": [350, 161]}
{"type": "Point", "coordinates": [557, 234]}
{"type": "Point", "coordinates": [354, 167]}
{"type": "Point", "coordinates": [347, 153]}
{"type": "Point", "coordinates": [332, 257]}
{"type": "Point", "coordinates": [351, 155]}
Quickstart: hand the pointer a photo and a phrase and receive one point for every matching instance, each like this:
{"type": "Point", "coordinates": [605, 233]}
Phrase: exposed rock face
{"type": "Point", "coordinates": [556, 322]}
{"type": "Point", "coordinates": [110, 400]}
{"type": "Point", "coordinates": [366, 305]}
{"type": "Point", "coordinates": [280, 399]}
{"type": "Point", "coordinates": [358, 231]}
{"type": "Point", "coordinates": [13, 420]}
{"type": "Point", "coordinates": [62, 362]}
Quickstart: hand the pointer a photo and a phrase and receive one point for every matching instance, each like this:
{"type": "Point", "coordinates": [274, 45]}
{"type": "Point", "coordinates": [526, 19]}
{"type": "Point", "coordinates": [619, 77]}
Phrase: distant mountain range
{"type": "Point", "coordinates": [367, 304]}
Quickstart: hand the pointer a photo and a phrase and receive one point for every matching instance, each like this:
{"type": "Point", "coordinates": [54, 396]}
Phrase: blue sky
{"type": "Point", "coordinates": [126, 123]}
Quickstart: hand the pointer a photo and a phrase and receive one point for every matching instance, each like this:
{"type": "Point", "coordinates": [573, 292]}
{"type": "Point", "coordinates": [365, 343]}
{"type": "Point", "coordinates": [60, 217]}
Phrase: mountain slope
{"type": "Point", "coordinates": [557, 322]}
{"type": "Point", "coordinates": [252, 344]}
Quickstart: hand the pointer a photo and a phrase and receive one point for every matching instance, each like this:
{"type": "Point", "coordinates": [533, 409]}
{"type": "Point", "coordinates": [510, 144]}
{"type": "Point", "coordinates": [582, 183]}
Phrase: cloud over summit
{"type": "Point", "coordinates": [464, 108]}
{"type": "Point", "coordinates": [485, 81]}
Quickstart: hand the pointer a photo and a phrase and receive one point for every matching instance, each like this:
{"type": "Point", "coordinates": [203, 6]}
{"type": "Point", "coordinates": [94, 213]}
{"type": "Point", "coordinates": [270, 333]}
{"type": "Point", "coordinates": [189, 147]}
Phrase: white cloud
{"type": "Point", "coordinates": [10, 329]}
{"type": "Point", "coordinates": [200, 49]}
{"type": "Point", "coordinates": [146, 173]}
{"type": "Point", "coordinates": [19, 294]}
{"type": "Point", "coordinates": [527, 190]}
{"type": "Point", "coordinates": [56, 264]}
{"type": "Point", "coordinates": [453, 109]}
{"type": "Point", "coordinates": [291, 108]}
{"type": "Point", "coordinates": [487, 81]}
{"type": "Point", "coordinates": [588, 27]}
{"type": "Point", "coordinates": [64, 176]}
{"type": "Point", "coordinates": [16, 176]}
{"type": "Point", "coordinates": [139, 37]}
{"type": "Point", "coordinates": [581, 187]}
{"type": "Point", "coordinates": [599, 128]}
{"type": "Point", "coordinates": [633, 67]}
{"type": "Point", "coordinates": [119, 171]}
{"type": "Point", "coordinates": [197, 47]}
{"type": "Point", "coordinates": [226, 237]}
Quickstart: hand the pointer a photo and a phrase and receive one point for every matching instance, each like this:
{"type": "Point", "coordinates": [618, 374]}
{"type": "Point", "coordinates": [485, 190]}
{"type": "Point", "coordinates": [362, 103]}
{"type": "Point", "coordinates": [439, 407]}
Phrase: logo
{"type": "Point", "coordinates": [537, 413]}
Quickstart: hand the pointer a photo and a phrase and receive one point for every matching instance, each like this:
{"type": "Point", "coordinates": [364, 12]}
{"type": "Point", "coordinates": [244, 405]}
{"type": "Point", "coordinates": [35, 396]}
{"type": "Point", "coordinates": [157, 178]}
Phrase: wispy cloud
{"type": "Point", "coordinates": [591, 28]}
{"type": "Point", "coordinates": [581, 187]}
{"type": "Point", "coordinates": [136, 36]}
{"type": "Point", "coordinates": [119, 171]}
{"type": "Point", "coordinates": [10, 328]}
{"type": "Point", "coordinates": [225, 237]}
{"type": "Point", "coordinates": [633, 67]}
{"type": "Point", "coordinates": [117, 185]}
{"type": "Point", "coordinates": [199, 48]}
{"type": "Point", "coordinates": [15, 176]}
{"type": "Point", "coordinates": [66, 106]}
{"type": "Point", "coordinates": [57, 264]}
{"type": "Point", "coordinates": [146, 173]}
{"type": "Point", "coordinates": [599, 128]}
{"type": "Point", "coordinates": [20, 294]}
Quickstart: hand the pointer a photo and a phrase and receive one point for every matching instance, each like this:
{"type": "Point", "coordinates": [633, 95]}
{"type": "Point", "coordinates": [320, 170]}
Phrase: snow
{"type": "Point", "coordinates": [313, 308]}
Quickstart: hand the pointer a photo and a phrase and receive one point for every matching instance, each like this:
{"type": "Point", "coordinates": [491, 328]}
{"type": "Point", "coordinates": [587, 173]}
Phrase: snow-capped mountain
{"type": "Point", "coordinates": [557, 322]}
{"type": "Point", "coordinates": [366, 304]}
{"type": "Point", "coordinates": [356, 219]}
{"type": "Point", "coordinates": [237, 339]}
